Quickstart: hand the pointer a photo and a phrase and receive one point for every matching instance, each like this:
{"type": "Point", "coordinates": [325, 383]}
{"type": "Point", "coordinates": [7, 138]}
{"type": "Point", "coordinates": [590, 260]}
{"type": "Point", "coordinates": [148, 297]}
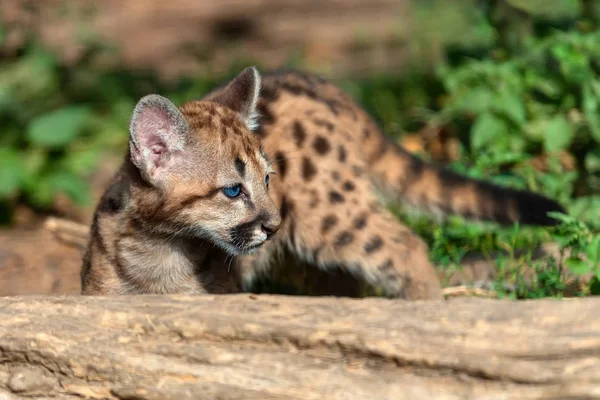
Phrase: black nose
{"type": "Point", "coordinates": [270, 229]}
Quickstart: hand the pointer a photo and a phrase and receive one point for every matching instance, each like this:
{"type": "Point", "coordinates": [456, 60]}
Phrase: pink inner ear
{"type": "Point", "coordinates": [151, 123]}
{"type": "Point", "coordinates": [157, 156]}
{"type": "Point", "coordinates": [153, 131]}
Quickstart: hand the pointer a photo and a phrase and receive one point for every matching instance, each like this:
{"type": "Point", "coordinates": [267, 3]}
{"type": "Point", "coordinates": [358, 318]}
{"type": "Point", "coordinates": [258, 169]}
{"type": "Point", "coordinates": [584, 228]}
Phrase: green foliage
{"type": "Point", "coordinates": [48, 142]}
{"type": "Point", "coordinates": [584, 247]}
{"type": "Point", "coordinates": [58, 128]}
{"type": "Point", "coordinates": [521, 104]}
{"type": "Point", "coordinates": [516, 98]}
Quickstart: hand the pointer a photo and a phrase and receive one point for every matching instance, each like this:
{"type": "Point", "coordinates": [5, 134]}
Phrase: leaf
{"type": "Point", "coordinates": [34, 161]}
{"type": "Point", "coordinates": [592, 161]}
{"type": "Point", "coordinates": [40, 192]}
{"type": "Point", "coordinates": [486, 129]}
{"type": "Point", "coordinates": [564, 218]}
{"type": "Point", "coordinates": [578, 266]}
{"type": "Point", "coordinates": [574, 65]}
{"type": "Point", "coordinates": [511, 104]}
{"type": "Point", "coordinates": [489, 161]}
{"type": "Point", "coordinates": [590, 109]}
{"type": "Point", "coordinates": [81, 161]}
{"type": "Point", "coordinates": [6, 98]}
{"type": "Point", "coordinates": [477, 100]}
{"type": "Point", "coordinates": [559, 134]}
{"type": "Point", "coordinates": [57, 128]}
{"type": "Point", "coordinates": [535, 130]}
{"type": "Point", "coordinates": [71, 185]}
{"type": "Point", "coordinates": [11, 172]}
{"type": "Point", "coordinates": [545, 84]}
{"type": "Point", "coordinates": [592, 251]}
{"type": "Point", "coordinates": [586, 208]}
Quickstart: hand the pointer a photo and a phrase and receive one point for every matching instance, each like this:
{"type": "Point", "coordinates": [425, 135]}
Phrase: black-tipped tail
{"type": "Point", "coordinates": [440, 190]}
{"type": "Point", "coordinates": [534, 209]}
{"type": "Point", "coordinates": [500, 204]}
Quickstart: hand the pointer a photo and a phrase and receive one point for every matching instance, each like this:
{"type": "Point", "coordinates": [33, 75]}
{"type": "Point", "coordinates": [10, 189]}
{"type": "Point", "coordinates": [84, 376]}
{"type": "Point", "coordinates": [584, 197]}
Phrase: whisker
{"type": "Point", "coordinates": [275, 145]}
{"type": "Point", "coordinates": [229, 266]}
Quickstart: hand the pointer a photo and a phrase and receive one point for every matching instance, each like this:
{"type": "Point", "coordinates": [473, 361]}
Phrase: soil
{"type": "Point", "coordinates": [32, 260]}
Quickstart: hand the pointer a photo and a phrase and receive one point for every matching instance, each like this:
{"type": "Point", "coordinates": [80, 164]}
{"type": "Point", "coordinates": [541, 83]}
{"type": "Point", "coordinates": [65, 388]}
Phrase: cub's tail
{"type": "Point", "coordinates": [404, 177]}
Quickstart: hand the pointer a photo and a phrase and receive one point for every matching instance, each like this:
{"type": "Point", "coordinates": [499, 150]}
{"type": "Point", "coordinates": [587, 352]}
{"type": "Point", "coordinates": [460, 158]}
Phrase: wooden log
{"type": "Point", "coordinates": [277, 347]}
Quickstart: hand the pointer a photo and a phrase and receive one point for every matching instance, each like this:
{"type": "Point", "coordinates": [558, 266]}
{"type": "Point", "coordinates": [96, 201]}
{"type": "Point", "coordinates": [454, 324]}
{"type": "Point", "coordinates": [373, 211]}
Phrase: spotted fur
{"type": "Point", "coordinates": [164, 225]}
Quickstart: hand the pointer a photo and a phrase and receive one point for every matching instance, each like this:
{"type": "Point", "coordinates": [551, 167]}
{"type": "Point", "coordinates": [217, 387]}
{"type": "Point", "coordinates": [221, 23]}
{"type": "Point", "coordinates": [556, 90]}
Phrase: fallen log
{"type": "Point", "coordinates": [278, 347]}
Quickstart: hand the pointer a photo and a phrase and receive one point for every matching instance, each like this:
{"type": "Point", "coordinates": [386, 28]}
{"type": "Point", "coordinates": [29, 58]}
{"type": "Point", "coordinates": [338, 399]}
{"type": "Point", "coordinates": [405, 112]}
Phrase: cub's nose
{"type": "Point", "coordinates": [270, 228]}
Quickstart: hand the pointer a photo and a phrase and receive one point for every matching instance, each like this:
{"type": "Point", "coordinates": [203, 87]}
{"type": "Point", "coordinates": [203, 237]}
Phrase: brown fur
{"type": "Point", "coordinates": [331, 162]}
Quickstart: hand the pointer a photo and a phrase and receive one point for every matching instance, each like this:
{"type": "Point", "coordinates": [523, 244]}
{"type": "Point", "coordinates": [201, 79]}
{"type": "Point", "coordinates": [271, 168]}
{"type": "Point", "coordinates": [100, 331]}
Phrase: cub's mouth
{"type": "Point", "coordinates": [247, 238]}
{"type": "Point", "coordinates": [235, 248]}
{"type": "Point", "coordinates": [250, 249]}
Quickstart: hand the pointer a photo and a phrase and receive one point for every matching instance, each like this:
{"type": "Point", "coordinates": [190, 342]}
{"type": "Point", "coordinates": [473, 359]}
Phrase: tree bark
{"type": "Point", "coordinates": [277, 347]}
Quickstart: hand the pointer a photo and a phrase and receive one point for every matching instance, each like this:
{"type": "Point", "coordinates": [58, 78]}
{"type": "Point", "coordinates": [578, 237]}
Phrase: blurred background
{"type": "Point", "coordinates": [506, 90]}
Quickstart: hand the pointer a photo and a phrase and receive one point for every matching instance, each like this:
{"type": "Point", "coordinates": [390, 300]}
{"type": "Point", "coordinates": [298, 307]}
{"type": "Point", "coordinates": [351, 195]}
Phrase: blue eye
{"type": "Point", "coordinates": [232, 191]}
{"type": "Point", "coordinates": [267, 180]}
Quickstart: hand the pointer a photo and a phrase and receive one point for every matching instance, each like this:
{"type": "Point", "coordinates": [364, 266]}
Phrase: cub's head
{"type": "Point", "coordinates": [204, 171]}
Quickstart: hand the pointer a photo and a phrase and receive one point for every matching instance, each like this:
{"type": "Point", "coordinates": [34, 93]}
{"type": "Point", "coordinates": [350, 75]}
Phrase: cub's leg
{"type": "Point", "coordinates": [368, 242]}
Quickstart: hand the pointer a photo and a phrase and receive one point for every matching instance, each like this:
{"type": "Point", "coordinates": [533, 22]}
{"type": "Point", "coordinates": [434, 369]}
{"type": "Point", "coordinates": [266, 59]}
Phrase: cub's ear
{"type": "Point", "coordinates": [241, 96]}
{"type": "Point", "coordinates": [157, 134]}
